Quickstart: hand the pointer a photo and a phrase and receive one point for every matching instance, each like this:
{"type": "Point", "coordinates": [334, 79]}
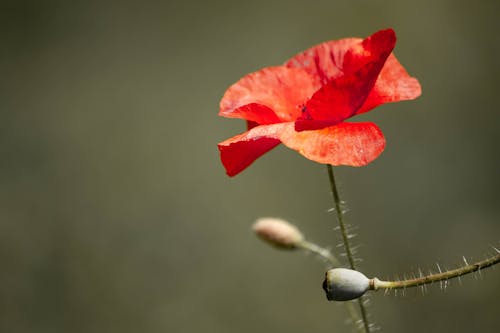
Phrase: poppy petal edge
{"type": "Point", "coordinates": [350, 144]}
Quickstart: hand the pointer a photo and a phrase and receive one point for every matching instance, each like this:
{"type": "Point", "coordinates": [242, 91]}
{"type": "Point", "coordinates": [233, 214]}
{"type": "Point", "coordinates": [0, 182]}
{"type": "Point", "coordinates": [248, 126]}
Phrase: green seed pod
{"type": "Point", "coordinates": [342, 284]}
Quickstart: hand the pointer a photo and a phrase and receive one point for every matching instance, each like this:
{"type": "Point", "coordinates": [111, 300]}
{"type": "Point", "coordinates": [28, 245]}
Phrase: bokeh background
{"type": "Point", "coordinates": [116, 214]}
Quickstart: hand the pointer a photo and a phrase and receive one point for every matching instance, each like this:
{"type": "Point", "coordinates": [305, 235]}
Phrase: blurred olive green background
{"type": "Point", "coordinates": [116, 214]}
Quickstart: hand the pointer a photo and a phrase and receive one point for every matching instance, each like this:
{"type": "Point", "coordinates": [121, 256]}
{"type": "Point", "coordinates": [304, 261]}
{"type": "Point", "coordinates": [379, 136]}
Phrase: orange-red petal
{"type": "Point", "coordinates": [333, 59]}
{"type": "Point", "coordinates": [342, 96]}
{"type": "Point", "coordinates": [352, 144]}
{"type": "Point", "coordinates": [324, 61]}
{"type": "Point", "coordinates": [393, 84]}
{"type": "Point", "coordinates": [238, 152]}
{"type": "Point", "coordinates": [270, 95]}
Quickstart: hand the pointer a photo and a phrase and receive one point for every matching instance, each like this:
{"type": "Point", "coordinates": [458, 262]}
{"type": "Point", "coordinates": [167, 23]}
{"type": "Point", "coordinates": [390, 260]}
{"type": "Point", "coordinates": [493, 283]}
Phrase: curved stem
{"type": "Point", "coordinates": [321, 251]}
{"type": "Point", "coordinates": [454, 273]}
{"type": "Point", "coordinates": [345, 239]}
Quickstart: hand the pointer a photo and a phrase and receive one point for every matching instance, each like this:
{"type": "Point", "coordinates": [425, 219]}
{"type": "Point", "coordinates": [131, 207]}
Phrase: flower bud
{"type": "Point", "coordinates": [342, 284]}
{"type": "Point", "coordinates": [278, 232]}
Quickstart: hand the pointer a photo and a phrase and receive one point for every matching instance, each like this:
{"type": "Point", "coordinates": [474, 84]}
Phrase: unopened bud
{"type": "Point", "coordinates": [278, 232]}
{"type": "Point", "coordinates": [342, 284]}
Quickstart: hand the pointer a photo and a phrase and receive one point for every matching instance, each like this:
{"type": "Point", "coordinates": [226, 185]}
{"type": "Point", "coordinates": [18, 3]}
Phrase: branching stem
{"type": "Point", "coordinates": [345, 239]}
{"type": "Point", "coordinates": [334, 262]}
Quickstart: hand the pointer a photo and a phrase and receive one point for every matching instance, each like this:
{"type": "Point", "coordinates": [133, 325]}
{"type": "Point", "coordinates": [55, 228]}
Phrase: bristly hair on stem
{"type": "Point", "coordinates": [446, 275]}
{"type": "Point", "coordinates": [345, 240]}
{"type": "Point", "coordinates": [342, 284]}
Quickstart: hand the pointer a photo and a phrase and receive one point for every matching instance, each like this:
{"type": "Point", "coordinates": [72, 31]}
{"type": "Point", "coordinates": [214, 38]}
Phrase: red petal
{"type": "Point", "coordinates": [271, 95]}
{"type": "Point", "coordinates": [251, 124]}
{"type": "Point", "coordinates": [324, 61]}
{"type": "Point", "coordinates": [353, 144]}
{"type": "Point", "coordinates": [332, 59]}
{"type": "Point", "coordinates": [238, 152]}
{"type": "Point", "coordinates": [373, 48]}
{"type": "Point", "coordinates": [393, 84]}
{"type": "Point", "coordinates": [328, 60]}
{"type": "Point", "coordinates": [311, 124]}
{"type": "Point", "coordinates": [341, 97]}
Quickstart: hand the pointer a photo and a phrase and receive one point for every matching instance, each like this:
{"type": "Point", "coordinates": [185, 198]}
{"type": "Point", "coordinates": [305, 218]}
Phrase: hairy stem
{"type": "Point", "coordinates": [340, 217]}
{"type": "Point", "coordinates": [332, 260]}
{"type": "Point", "coordinates": [441, 276]}
{"type": "Point", "coordinates": [322, 252]}
{"type": "Point", "coordinates": [345, 239]}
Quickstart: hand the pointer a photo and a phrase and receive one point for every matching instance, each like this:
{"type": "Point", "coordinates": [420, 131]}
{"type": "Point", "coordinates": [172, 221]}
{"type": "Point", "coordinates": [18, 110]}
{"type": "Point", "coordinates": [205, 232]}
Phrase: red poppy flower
{"type": "Point", "coordinates": [304, 103]}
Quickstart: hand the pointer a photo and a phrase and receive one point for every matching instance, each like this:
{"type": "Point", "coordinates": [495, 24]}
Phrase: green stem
{"type": "Point", "coordinates": [334, 262]}
{"type": "Point", "coordinates": [345, 239]}
{"type": "Point", "coordinates": [318, 250]}
{"type": "Point", "coordinates": [340, 217]}
{"type": "Point", "coordinates": [441, 276]}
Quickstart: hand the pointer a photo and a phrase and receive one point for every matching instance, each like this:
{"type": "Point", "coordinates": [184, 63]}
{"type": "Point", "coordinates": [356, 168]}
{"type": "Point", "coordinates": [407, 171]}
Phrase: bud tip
{"type": "Point", "coordinates": [278, 232]}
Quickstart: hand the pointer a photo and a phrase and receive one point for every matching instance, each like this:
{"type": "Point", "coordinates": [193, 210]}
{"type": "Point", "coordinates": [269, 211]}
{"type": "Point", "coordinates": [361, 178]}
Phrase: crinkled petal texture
{"type": "Point", "coordinates": [268, 96]}
{"type": "Point", "coordinates": [304, 104]}
{"type": "Point", "coordinates": [351, 144]}
{"type": "Point", "coordinates": [341, 96]}
{"type": "Point", "coordinates": [238, 152]}
{"type": "Point", "coordinates": [393, 84]}
{"type": "Point", "coordinates": [331, 60]}
{"type": "Point", "coordinates": [324, 61]}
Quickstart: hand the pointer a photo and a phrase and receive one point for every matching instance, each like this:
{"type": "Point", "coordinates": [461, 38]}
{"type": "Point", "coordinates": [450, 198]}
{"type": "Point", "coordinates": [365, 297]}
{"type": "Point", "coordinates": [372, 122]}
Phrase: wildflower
{"type": "Point", "coordinates": [304, 103]}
